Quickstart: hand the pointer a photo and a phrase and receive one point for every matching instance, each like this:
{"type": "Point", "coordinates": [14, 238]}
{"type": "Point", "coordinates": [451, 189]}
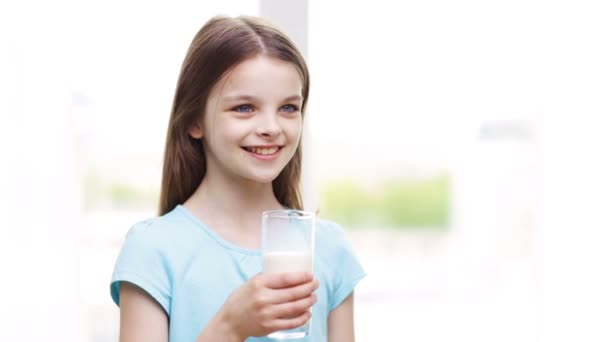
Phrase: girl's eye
{"type": "Point", "coordinates": [289, 108]}
{"type": "Point", "coordinates": [243, 108]}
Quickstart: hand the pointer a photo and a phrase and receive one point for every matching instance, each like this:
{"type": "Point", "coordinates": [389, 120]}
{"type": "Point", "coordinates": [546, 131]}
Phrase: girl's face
{"type": "Point", "coordinates": [252, 122]}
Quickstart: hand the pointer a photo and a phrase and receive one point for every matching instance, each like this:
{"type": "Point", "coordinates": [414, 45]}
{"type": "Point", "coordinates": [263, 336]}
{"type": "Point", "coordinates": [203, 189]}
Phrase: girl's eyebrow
{"type": "Point", "coordinates": [249, 98]}
{"type": "Point", "coordinates": [238, 98]}
{"type": "Point", "coordinates": [297, 98]}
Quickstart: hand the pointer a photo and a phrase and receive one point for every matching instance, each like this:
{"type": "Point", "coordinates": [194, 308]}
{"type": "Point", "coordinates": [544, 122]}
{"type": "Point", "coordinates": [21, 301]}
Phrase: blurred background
{"type": "Point", "coordinates": [460, 144]}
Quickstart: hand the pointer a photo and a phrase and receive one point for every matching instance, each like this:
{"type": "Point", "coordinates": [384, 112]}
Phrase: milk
{"type": "Point", "coordinates": [281, 262]}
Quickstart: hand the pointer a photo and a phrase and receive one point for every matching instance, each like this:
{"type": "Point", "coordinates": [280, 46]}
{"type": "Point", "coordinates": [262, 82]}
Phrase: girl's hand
{"type": "Point", "coordinates": [270, 302]}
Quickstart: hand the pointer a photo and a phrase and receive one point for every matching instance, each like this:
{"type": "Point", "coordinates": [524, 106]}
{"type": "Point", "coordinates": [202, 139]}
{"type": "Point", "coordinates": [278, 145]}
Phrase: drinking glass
{"type": "Point", "coordinates": [288, 246]}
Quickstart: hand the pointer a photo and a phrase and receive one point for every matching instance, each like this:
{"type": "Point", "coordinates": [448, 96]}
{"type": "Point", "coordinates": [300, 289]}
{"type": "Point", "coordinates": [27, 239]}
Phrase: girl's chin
{"type": "Point", "coordinates": [264, 178]}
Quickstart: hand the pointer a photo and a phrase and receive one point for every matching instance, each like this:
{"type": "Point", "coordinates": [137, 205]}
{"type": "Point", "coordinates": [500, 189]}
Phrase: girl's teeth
{"type": "Point", "coordinates": [263, 151]}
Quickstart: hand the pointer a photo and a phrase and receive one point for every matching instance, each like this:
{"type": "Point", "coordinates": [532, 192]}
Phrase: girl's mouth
{"type": "Point", "coordinates": [263, 152]}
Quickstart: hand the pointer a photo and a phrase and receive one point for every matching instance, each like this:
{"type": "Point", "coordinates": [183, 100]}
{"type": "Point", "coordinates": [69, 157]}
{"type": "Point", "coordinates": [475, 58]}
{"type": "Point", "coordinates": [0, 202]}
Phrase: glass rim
{"type": "Point", "coordinates": [285, 213]}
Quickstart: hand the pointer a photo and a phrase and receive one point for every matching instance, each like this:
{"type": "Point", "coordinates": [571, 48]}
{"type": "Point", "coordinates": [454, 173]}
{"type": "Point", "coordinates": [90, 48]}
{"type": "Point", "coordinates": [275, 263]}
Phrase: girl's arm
{"type": "Point", "coordinates": [256, 308]}
{"type": "Point", "coordinates": [341, 322]}
{"type": "Point", "coordinates": [141, 317]}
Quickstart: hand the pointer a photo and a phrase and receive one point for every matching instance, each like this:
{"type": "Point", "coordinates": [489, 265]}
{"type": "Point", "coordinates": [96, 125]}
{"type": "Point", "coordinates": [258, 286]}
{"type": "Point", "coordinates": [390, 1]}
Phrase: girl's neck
{"type": "Point", "coordinates": [232, 202]}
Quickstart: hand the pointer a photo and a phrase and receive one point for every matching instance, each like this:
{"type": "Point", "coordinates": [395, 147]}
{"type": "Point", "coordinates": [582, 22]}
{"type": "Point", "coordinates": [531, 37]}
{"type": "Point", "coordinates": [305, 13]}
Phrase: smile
{"type": "Point", "coordinates": [263, 150]}
{"type": "Point", "coordinates": [265, 153]}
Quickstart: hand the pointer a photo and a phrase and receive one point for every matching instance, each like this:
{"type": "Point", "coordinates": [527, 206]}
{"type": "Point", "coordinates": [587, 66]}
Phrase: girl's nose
{"type": "Point", "coordinates": [268, 125]}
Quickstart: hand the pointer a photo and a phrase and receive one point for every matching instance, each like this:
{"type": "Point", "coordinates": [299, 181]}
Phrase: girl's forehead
{"type": "Point", "coordinates": [262, 74]}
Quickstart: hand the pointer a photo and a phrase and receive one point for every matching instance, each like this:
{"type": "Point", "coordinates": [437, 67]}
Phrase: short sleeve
{"type": "Point", "coordinates": [347, 270]}
{"type": "Point", "coordinates": [142, 262]}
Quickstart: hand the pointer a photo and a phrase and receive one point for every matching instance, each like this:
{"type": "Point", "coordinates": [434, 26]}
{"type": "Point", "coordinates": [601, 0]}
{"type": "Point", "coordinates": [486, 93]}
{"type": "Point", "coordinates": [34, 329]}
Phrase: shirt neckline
{"type": "Point", "coordinates": [215, 236]}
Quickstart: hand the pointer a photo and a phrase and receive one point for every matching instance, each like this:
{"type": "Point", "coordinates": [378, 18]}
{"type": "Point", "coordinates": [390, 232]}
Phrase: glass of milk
{"type": "Point", "coordinates": [288, 243]}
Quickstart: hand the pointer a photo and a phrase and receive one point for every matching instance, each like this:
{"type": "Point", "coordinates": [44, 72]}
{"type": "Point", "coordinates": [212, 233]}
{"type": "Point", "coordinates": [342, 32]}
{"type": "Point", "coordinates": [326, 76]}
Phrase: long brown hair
{"type": "Point", "coordinates": [220, 45]}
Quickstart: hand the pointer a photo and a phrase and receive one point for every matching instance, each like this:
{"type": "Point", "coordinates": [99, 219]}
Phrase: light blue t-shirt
{"type": "Point", "coordinates": [190, 270]}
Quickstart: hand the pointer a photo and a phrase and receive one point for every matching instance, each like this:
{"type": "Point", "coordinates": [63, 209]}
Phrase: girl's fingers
{"type": "Point", "coordinates": [294, 309]}
{"type": "Point", "coordinates": [284, 280]}
{"type": "Point", "coordinates": [291, 323]}
{"type": "Point", "coordinates": [294, 293]}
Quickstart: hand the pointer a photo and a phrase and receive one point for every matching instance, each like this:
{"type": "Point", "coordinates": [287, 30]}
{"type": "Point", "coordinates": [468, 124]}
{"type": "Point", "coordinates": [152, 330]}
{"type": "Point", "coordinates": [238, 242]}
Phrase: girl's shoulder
{"type": "Point", "coordinates": [336, 262]}
{"type": "Point", "coordinates": [328, 228]}
{"type": "Point", "coordinates": [162, 232]}
{"type": "Point", "coordinates": [330, 237]}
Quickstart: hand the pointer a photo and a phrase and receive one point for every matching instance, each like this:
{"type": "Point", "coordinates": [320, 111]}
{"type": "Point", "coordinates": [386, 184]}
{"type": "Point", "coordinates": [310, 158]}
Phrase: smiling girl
{"type": "Point", "coordinates": [232, 151]}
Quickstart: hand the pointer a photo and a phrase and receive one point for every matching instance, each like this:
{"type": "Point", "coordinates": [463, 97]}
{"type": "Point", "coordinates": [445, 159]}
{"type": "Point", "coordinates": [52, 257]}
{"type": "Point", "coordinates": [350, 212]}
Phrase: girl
{"type": "Point", "coordinates": [232, 151]}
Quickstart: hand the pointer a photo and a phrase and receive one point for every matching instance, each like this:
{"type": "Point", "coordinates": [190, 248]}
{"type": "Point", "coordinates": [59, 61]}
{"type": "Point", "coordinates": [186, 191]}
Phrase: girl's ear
{"type": "Point", "coordinates": [196, 131]}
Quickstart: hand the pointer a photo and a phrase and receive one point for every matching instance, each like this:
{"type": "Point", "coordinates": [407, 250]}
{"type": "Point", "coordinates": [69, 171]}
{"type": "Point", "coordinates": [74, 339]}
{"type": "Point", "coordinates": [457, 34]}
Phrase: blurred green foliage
{"type": "Point", "coordinates": [397, 203]}
{"type": "Point", "coordinates": [102, 192]}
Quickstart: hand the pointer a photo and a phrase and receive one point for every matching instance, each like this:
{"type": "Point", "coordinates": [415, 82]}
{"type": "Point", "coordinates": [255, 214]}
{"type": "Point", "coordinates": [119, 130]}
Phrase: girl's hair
{"type": "Point", "coordinates": [220, 45]}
